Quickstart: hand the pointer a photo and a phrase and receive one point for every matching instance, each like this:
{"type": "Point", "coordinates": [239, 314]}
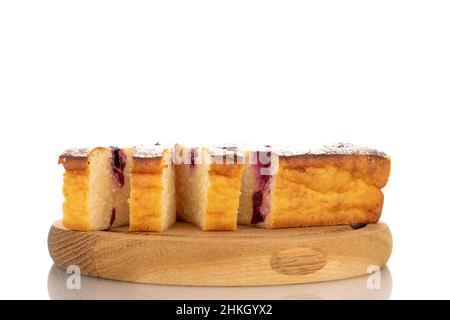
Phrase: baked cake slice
{"type": "Point", "coordinates": [96, 188]}
{"type": "Point", "coordinates": [338, 184]}
{"type": "Point", "coordinates": [208, 181]}
{"type": "Point", "coordinates": [152, 197]}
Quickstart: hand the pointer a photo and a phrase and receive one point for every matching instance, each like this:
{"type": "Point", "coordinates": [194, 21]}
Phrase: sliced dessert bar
{"type": "Point", "coordinates": [338, 184]}
{"type": "Point", "coordinates": [96, 188]}
{"type": "Point", "coordinates": [152, 197]}
{"type": "Point", "coordinates": [208, 181]}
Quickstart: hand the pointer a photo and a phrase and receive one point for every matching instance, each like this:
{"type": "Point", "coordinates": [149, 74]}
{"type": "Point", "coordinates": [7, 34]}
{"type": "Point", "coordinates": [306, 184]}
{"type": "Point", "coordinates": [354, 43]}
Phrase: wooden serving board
{"type": "Point", "coordinates": [185, 255]}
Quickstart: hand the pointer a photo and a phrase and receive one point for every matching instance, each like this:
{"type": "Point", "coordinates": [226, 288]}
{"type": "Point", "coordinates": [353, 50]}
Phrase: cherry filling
{"type": "Point", "coordinates": [257, 199]}
{"type": "Point", "coordinates": [192, 156]}
{"type": "Point", "coordinates": [263, 179]}
{"type": "Point", "coordinates": [118, 162]}
{"type": "Point", "coordinates": [113, 217]}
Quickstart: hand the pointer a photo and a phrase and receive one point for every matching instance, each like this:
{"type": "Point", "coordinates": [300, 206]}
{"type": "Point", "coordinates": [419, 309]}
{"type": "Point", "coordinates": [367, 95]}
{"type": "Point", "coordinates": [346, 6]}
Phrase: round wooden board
{"type": "Point", "coordinates": [185, 255]}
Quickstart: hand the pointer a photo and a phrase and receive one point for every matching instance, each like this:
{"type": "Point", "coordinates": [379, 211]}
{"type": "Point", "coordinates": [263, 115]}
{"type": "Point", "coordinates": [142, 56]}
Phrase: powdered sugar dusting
{"type": "Point", "coordinates": [333, 149]}
{"type": "Point", "coordinates": [156, 150]}
{"type": "Point", "coordinates": [149, 151]}
{"type": "Point", "coordinates": [76, 152]}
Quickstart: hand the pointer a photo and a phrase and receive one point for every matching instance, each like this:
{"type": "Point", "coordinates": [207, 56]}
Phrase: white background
{"type": "Point", "coordinates": [375, 73]}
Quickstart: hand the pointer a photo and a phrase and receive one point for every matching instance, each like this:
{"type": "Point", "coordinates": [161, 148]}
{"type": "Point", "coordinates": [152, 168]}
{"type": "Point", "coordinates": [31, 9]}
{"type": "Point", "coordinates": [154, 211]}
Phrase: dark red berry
{"type": "Point", "coordinates": [118, 162]}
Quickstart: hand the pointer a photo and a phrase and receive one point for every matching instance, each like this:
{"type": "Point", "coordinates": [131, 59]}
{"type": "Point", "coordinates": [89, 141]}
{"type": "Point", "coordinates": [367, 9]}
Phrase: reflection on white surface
{"type": "Point", "coordinates": [96, 288]}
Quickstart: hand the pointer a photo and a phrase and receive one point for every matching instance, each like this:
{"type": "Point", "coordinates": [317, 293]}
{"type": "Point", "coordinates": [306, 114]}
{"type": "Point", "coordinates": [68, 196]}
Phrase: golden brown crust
{"type": "Point", "coordinates": [226, 170]}
{"type": "Point", "coordinates": [75, 206]}
{"type": "Point", "coordinates": [316, 190]}
{"type": "Point", "coordinates": [73, 163]}
{"type": "Point", "coordinates": [373, 169]}
{"type": "Point", "coordinates": [75, 189]}
{"type": "Point", "coordinates": [145, 195]}
{"type": "Point", "coordinates": [147, 165]}
{"type": "Point", "coordinates": [77, 158]}
{"type": "Point", "coordinates": [145, 202]}
{"type": "Point", "coordinates": [223, 197]}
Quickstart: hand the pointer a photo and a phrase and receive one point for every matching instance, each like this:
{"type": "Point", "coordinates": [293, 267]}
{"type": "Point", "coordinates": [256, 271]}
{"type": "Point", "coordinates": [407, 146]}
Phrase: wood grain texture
{"type": "Point", "coordinates": [185, 255]}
